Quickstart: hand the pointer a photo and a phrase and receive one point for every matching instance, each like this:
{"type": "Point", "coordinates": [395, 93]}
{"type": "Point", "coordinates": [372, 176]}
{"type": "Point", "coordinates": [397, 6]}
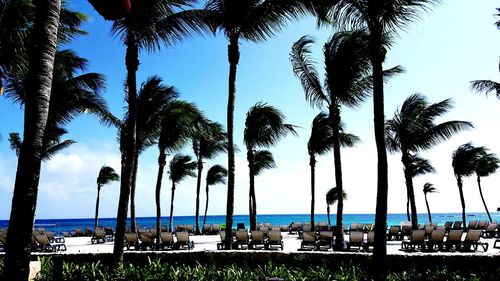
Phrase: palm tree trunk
{"type": "Point", "coordinates": [409, 189]}
{"type": "Point", "coordinates": [334, 124]}
{"type": "Point", "coordinates": [482, 198]}
{"type": "Point", "coordinates": [206, 206]}
{"type": "Point", "coordinates": [408, 206]}
{"type": "Point", "coordinates": [233, 57]}
{"type": "Point", "coordinates": [462, 200]}
{"type": "Point", "coordinates": [133, 222]}
{"type": "Point", "coordinates": [328, 214]}
{"type": "Point", "coordinates": [171, 207]}
{"type": "Point", "coordinates": [23, 207]}
{"type": "Point", "coordinates": [377, 57]}
{"type": "Point", "coordinates": [312, 164]}
{"type": "Point", "coordinates": [161, 166]}
{"type": "Point", "coordinates": [127, 147]}
{"type": "Point", "coordinates": [428, 209]}
{"type": "Point", "coordinates": [251, 191]}
{"type": "Point", "coordinates": [198, 186]}
{"type": "Point", "coordinates": [96, 222]}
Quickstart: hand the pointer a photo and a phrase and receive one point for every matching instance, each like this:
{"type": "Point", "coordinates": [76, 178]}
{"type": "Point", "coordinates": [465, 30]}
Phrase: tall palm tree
{"type": "Point", "coordinates": [332, 198]}
{"type": "Point", "coordinates": [145, 25]}
{"type": "Point", "coordinates": [209, 140]}
{"type": "Point", "coordinates": [217, 174]}
{"type": "Point", "coordinates": [175, 130]}
{"type": "Point", "coordinates": [106, 176]}
{"type": "Point", "coordinates": [381, 18]}
{"type": "Point", "coordinates": [347, 83]}
{"type": "Point", "coordinates": [252, 20]}
{"type": "Point", "coordinates": [152, 99]}
{"type": "Point", "coordinates": [428, 188]}
{"type": "Point", "coordinates": [486, 165]}
{"type": "Point", "coordinates": [487, 86]}
{"type": "Point", "coordinates": [418, 167]}
{"type": "Point", "coordinates": [413, 129]}
{"type": "Point", "coordinates": [41, 61]}
{"type": "Point", "coordinates": [264, 127]}
{"type": "Point", "coordinates": [181, 167]}
{"type": "Point", "coordinates": [464, 161]}
{"type": "Point", "coordinates": [321, 142]}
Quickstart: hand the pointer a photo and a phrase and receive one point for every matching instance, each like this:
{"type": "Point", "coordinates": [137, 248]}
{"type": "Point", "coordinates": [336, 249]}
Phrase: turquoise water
{"type": "Point", "coordinates": [60, 225]}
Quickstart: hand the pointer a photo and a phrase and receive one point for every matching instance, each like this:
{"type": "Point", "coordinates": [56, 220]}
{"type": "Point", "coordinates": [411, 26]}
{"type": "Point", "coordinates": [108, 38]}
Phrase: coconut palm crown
{"type": "Point", "coordinates": [216, 174]}
{"type": "Point", "coordinates": [428, 188]}
{"type": "Point", "coordinates": [413, 129]}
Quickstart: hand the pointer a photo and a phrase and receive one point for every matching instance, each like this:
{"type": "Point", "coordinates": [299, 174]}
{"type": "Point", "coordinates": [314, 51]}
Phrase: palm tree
{"type": "Point", "coordinates": [252, 20]}
{"type": "Point", "coordinates": [52, 142]}
{"type": "Point", "coordinates": [418, 166]}
{"type": "Point", "coordinates": [209, 140]}
{"type": "Point", "coordinates": [152, 100]}
{"type": "Point", "coordinates": [428, 188]}
{"type": "Point", "coordinates": [181, 167]}
{"type": "Point", "coordinates": [264, 127]}
{"type": "Point", "coordinates": [381, 18]}
{"type": "Point", "coordinates": [217, 174]}
{"type": "Point", "coordinates": [332, 198]}
{"type": "Point", "coordinates": [143, 26]}
{"type": "Point", "coordinates": [347, 83]}
{"type": "Point", "coordinates": [486, 86]}
{"type": "Point", "coordinates": [413, 129]}
{"type": "Point", "coordinates": [486, 165]}
{"type": "Point", "coordinates": [175, 130]}
{"type": "Point", "coordinates": [321, 142]}
{"type": "Point", "coordinates": [106, 175]}
{"type": "Point", "coordinates": [464, 162]}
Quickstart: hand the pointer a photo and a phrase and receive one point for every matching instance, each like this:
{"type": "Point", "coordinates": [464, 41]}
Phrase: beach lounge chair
{"type": "Point", "coordinates": [436, 239]}
{"type": "Point", "coordinates": [325, 240]}
{"type": "Point", "coordinates": [457, 225]}
{"type": "Point", "coordinates": [78, 232]}
{"type": "Point", "coordinates": [472, 224]}
{"type": "Point", "coordinates": [153, 232]}
{"type": "Point", "coordinates": [220, 245]}
{"type": "Point", "coordinates": [454, 239]}
{"type": "Point", "coordinates": [46, 246]}
{"type": "Point", "coordinates": [481, 225]}
{"type": "Point", "coordinates": [284, 228]}
{"type": "Point", "coordinates": [416, 240]}
{"type": "Point", "coordinates": [491, 230]}
{"type": "Point", "coordinates": [428, 230]}
{"type": "Point", "coordinates": [131, 240]}
{"type": "Point", "coordinates": [183, 241]}
{"type": "Point", "coordinates": [88, 232]}
{"type": "Point", "coordinates": [448, 225]}
{"type": "Point", "coordinates": [166, 240]}
{"type": "Point", "coordinates": [98, 236]}
{"type": "Point", "coordinates": [190, 228]}
{"type": "Point", "coordinates": [207, 229]}
{"type": "Point", "coordinates": [242, 239]}
{"type": "Point", "coordinates": [275, 240]}
{"type": "Point", "coordinates": [394, 233]}
{"type": "Point", "coordinates": [471, 241]}
{"type": "Point", "coordinates": [308, 241]}
{"type": "Point", "coordinates": [370, 241]}
{"type": "Point", "coordinates": [405, 231]}
{"type": "Point", "coordinates": [180, 228]}
{"type": "Point", "coordinates": [355, 240]}
{"type": "Point", "coordinates": [109, 234]}
{"type": "Point", "coordinates": [294, 228]}
{"type": "Point", "coordinates": [268, 224]}
{"type": "Point", "coordinates": [265, 230]}
{"type": "Point", "coordinates": [147, 241]}
{"type": "Point", "coordinates": [53, 238]}
{"type": "Point", "coordinates": [257, 239]}
{"type": "Point", "coordinates": [306, 227]}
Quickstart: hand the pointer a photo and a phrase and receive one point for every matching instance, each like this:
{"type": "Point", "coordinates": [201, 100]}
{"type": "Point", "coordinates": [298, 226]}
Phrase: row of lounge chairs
{"type": "Point", "coordinates": [325, 240]}
{"type": "Point", "coordinates": [47, 242]}
{"type": "Point", "coordinates": [147, 241]}
{"type": "Point", "coordinates": [102, 235]}
{"type": "Point", "coordinates": [441, 240]}
{"type": "Point", "coordinates": [257, 239]}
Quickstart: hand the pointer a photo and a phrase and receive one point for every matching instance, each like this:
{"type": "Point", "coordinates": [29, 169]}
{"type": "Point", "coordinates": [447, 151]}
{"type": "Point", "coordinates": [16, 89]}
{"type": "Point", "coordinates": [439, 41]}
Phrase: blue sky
{"type": "Point", "coordinates": [455, 43]}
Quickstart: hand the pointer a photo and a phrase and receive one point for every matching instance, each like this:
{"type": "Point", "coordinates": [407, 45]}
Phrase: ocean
{"type": "Point", "coordinates": [60, 225]}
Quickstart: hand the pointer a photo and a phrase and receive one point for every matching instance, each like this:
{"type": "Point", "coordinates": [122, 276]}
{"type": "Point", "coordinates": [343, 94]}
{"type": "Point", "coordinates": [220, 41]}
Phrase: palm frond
{"type": "Point", "coordinates": [263, 160]}
{"type": "Point", "coordinates": [465, 158]}
{"type": "Point", "coordinates": [217, 174]}
{"type": "Point", "coordinates": [107, 175]}
{"type": "Point", "coordinates": [53, 148]}
{"type": "Point", "coordinates": [15, 142]}
{"type": "Point", "coordinates": [487, 164]}
{"type": "Point", "coordinates": [181, 167]}
{"type": "Point", "coordinates": [420, 166]}
{"type": "Point", "coordinates": [304, 68]}
{"type": "Point", "coordinates": [429, 188]}
{"type": "Point", "coordinates": [332, 196]}
{"type": "Point", "coordinates": [486, 87]}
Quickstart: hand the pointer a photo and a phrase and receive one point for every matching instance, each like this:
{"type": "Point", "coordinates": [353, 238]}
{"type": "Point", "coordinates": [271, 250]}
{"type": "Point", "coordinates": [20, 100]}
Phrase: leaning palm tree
{"type": "Point", "coordinates": [181, 167]}
{"type": "Point", "coordinates": [175, 130]}
{"type": "Point", "coordinates": [321, 142]}
{"type": "Point", "coordinates": [418, 167]}
{"type": "Point", "coordinates": [217, 174]}
{"type": "Point", "coordinates": [413, 129]}
{"type": "Point", "coordinates": [209, 140]}
{"type": "Point", "coordinates": [428, 188]}
{"type": "Point", "coordinates": [486, 165]}
{"type": "Point", "coordinates": [144, 25]}
{"type": "Point", "coordinates": [332, 198]}
{"type": "Point", "coordinates": [464, 162]}
{"type": "Point", "coordinates": [106, 176]}
{"type": "Point", "coordinates": [486, 86]}
{"type": "Point", "coordinates": [252, 20]}
{"type": "Point", "coordinates": [381, 18]}
{"type": "Point", "coordinates": [347, 83]}
{"type": "Point", "coordinates": [43, 39]}
{"type": "Point", "coordinates": [152, 99]}
{"type": "Point", "coordinates": [264, 127]}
